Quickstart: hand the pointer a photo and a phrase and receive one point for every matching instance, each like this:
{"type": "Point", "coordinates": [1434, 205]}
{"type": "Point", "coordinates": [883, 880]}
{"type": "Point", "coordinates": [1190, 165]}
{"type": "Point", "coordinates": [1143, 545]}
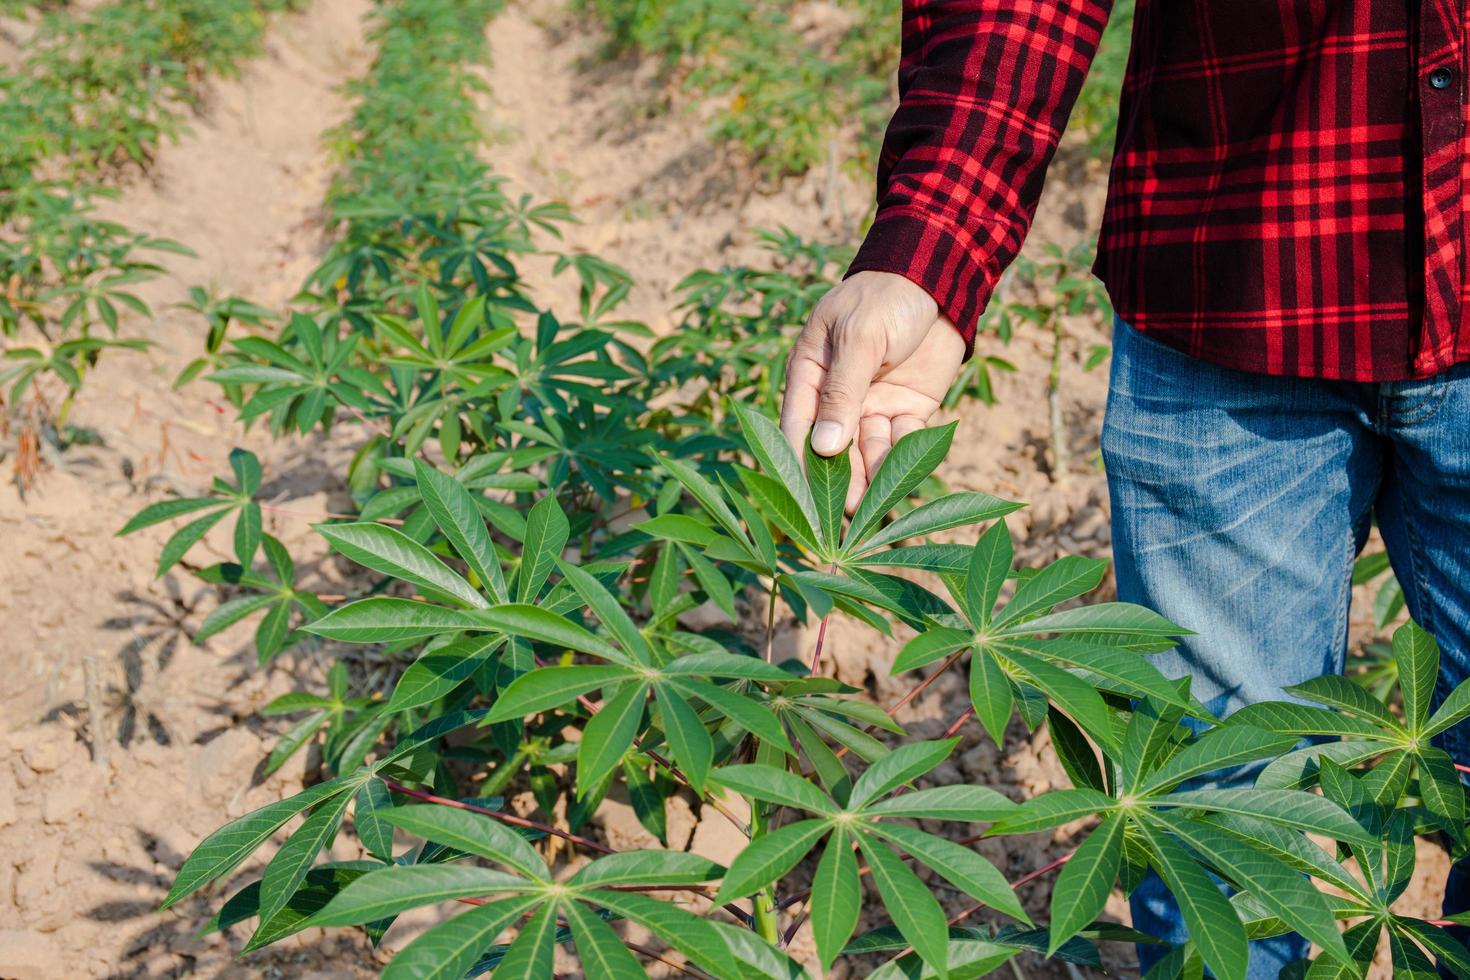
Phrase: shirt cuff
{"type": "Point", "coordinates": [929, 250]}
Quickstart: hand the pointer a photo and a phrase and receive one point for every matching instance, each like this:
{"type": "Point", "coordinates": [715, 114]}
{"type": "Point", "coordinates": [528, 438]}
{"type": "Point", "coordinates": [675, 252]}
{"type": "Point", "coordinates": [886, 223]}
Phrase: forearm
{"type": "Point", "coordinates": [986, 87]}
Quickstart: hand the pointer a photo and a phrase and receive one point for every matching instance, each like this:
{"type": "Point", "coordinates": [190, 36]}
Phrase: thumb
{"type": "Point", "coordinates": [855, 362]}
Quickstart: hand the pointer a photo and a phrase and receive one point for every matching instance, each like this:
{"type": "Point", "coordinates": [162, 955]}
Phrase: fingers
{"type": "Point", "coordinates": [804, 374]}
{"type": "Point", "coordinates": [857, 483]}
{"type": "Point", "coordinates": [874, 440]}
{"type": "Point", "coordinates": [856, 357]}
{"type": "Point", "coordinates": [902, 425]}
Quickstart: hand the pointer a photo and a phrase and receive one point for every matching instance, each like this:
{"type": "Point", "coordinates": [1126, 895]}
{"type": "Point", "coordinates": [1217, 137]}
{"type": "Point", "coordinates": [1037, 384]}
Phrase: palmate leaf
{"type": "Point", "coordinates": [775, 786]}
{"type": "Point", "coordinates": [957, 864]}
{"type": "Point", "coordinates": [459, 520]}
{"type": "Point", "coordinates": [907, 464]}
{"type": "Point", "coordinates": [549, 688]}
{"type": "Point", "coordinates": [447, 951]}
{"type": "Point", "coordinates": [533, 951]}
{"type": "Point", "coordinates": [688, 739]}
{"type": "Point", "coordinates": [388, 891]}
{"type": "Point", "coordinates": [904, 764]}
{"type": "Point", "coordinates": [386, 550]}
{"type": "Point", "coordinates": [990, 563]}
{"type": "Point", "coordinates": [836, 899]}
{"type": "Point", "coordinates": [546, 536]}
{"type": "Point", "coordinates": [1290, 808]}
{"type": "Point", "coordinates": [695, 937]}
{"type": "Point", "coordinates": [601, 951]}
{"type": "Point", "coordinates": [978, 804]}
{"type": "Point", "coordinates": [1417, 656]}
{"type": "Point", "coordinates": [950, 511]}
{"type": "Point", "coordinates": [910, 903]}
{"type": "Point", "coordinates": [288, 867]}
{"type": "Point", "coordinates": [779, 462]}
{"type": "Point", "coordinates": [1086, 880]}
{"type": "Point", "coordinates": [440, 671]}
{"type": "Point", "coordinates": [474, 833]}
{"type": "Point", "coordinates": [768, 857]}
{"type": "Point", "coordinates": [608, 611]}
{"type": "Point", "coordinates": [386, 619]}
{"type": "Point", "coordinates": [224, 850]}
{"type": "Point", "coordinates": [646, 868]}
{"type": "Point", "coordinates": [1221, 748]}
{"type": "Point", "coordinates": [609, 735]}
{"type": "Point", "coordinates": [1277, 886]}
{"type": "Point", "coordinates": [1065, 578]}
{"type": "Point", "coordinates": [544, 626]}
{"type": "Point", "coordinates": [1214, 926]}
{"type": "Point", "coordinates": [829, 477]}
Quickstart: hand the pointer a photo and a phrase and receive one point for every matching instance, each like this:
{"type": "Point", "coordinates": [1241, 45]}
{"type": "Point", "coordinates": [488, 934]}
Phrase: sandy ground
{"type": "Point", "coordinates": [128, 743]}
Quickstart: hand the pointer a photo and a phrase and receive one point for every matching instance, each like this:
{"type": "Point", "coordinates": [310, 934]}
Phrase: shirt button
{"type": "Point", "coordinates": [1441, 78]}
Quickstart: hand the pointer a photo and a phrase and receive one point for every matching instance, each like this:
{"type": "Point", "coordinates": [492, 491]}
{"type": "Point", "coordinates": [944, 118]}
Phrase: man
{"type": "Point", "coordinates": [1284, 241]}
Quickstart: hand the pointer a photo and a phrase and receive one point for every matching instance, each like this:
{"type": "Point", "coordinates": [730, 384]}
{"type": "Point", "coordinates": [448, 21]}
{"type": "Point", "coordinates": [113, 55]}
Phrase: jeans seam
{"type": "Point", "coordinates": [1416, 571]}
{"type": "Point", "coordinates": [1430, 407]}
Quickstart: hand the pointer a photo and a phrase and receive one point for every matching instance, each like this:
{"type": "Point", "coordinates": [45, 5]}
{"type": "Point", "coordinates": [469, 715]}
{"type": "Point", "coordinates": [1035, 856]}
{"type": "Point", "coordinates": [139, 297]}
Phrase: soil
{"type": "Point", "coordinates": [128, 743]}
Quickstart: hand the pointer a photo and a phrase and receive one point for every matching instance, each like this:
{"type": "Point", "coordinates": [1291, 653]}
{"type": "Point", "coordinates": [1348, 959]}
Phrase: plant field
{"type": "Point", "coordinates": [426, 590]}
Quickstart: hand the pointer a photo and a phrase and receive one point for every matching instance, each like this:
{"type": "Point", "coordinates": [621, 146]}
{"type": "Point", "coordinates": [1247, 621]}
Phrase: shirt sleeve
{"type": "Point", "coordinates": [985, 89]}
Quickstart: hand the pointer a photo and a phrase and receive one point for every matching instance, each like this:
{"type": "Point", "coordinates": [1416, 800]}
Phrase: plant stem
{"type": "Point", "coordinates": [771, 623]}
{"type": "Point", "coordinates": [1061, 460]}
{"type": "Point", "coordinates": [511, 819]}
{"type": "Point", "coordinates": [763, 904]}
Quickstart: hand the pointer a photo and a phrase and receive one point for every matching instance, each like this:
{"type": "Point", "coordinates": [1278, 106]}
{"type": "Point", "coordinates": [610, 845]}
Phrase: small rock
{"type": "Point", "coordinates": [48, 754]}
{"type": "Point", "coordinates": [27, 955]}
{"type": "Point", "coordinates": [65, 802]}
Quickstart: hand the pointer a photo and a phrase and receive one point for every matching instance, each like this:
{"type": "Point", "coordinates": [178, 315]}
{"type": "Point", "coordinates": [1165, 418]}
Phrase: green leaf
{"type": "Point", "coordinates": [1290, 718]}
{"type": "Point", "coordinates": [1442, 791]}
{"type": "Point", "coordinates": [776, 504]}
{"type": "Point", "coordinates": [991, 694]}
{"type": "Point", "coordinates": [990, 563]}
{"type": "Point", "coordinates": [837, 896]}
{"type": "Point", "coordinates": [768, 857]}
{"type": "Point", "coordinates": [942, 559]}
{"type": "Point", "coordinates": [227, 614]}
{"type": "Point", "coordinates": [454, 512]}
{"type": "Point", "coordinates": [385, 619]}
{"type": "Point", "coordinates": [391, 890]}
{"type": "Point", "coordinates": [1337, 691]}
{"type": "Point", "coordinates": [289, 865]}
{"type": "Point", "coordinates": [1220, 748]}
{"type": "Point", "coordinates": [166, 510]}
{"type": "Point", "coordinates": [185, 538]}
{"type": "Point", "coordinates": [908, 901]}
{"type": "Point", "coordinates": [533, 951]}
{"type": "Point", "coordinates": [1066, 578]}
{"type": "Point", "coordinates": [439, 671]}
{"type": "Point", "coordinates": [778, 460]}
{"type": "Point", "coordinates": [1290, 808]}
{"type": "Point", "coordinates": [977, 804]}
{"type": "Point", "coordinates": [608, 611]}
{"type": "Point", "coordinates": [1213, 925]}
{"type": "Point", "coordinates": [749, 714]}
{"type": "Point", "coordinates": [473, 833]}
{"type": "Point", "coordinates": [1086, 880]}
{"type": "Point", "coordinates": [543, 626]}
{"type": "Point", "coordinates": [601, 951]}
{"type": "Point", "coordinates": [1455, 709]}
{"type": "Point", "coordinates": [959, 865]}
{"type": "Point", "coordinates": [774, 786]}
{"type": "Point", "coordinates": [829, 477]}
{"type": "Point", "coordinates": [953, 510]}
{"type": "Point", "coordinates": [647, 868]}
{"type": "Point", "coordinates": [708, 497]}
{"type": "Point", "coordinates": [1417, 656]}
{"type": "Point", "coordinates": [547, 531]}
{"type": "Point", "coordinates": [448, 950]}
{"type": "Point", "coordinates": [1104, 618]}
{"type": "Point", "coordinates": [223, 851]}
{"type": "Point", "coordinates": [247, 533]}
{"type": "Point", "coordinates": [375, 835]}
{"type": "Point", "coordinates": [911, 459]}
{"type": "Point", "coordinates": [728, 665]}
{"type": "Point", "coordinates": [1270, 881]}
{"type": "Point", "coordinates": [608, 735]}
{"type": "Point", "coordinates": [691, 935]}
{"type": "Point", "coordinates": [903, 765]}
{"type": "Point", "coordinates": [548, 688]}
{"type": "Point", "coordinates": [928, 647]}
{"type": "Point", "coordinates": [1060, 806]}
{"type": "Point", "coordinates": [690, 742]}
{"type": "Point", "coordinates": [386, 550]}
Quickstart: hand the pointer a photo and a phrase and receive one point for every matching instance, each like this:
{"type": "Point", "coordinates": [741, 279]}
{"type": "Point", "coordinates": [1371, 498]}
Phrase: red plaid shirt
{"type": "Point", "coordinates": [1287, 194]}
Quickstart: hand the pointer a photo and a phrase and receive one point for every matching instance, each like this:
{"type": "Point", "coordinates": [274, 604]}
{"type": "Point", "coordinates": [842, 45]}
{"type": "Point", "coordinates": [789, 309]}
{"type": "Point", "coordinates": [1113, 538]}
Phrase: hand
{"type": "Point", "coordinates": [872, 364]}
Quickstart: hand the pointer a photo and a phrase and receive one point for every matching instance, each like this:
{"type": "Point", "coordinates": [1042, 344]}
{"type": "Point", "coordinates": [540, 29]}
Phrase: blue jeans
{"type": "Point", "coordinates": [1239, 503]}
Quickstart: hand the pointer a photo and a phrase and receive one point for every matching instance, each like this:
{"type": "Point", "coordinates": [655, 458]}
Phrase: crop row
{"type": "Point", "coordinates": [92, 93]}
{"type": "Point", "coordinates": [546, 501]}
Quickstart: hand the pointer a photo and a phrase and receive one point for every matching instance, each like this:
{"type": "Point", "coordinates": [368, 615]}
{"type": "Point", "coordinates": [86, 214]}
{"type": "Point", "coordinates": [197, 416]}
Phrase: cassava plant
{"type": "Point", "coordinates": [571, 560]}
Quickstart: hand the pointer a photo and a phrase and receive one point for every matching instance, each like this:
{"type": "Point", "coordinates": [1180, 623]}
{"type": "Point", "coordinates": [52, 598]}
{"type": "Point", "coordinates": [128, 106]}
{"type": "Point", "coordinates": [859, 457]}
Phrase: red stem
{"type": "Point", "coordinates": [419, 794]}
